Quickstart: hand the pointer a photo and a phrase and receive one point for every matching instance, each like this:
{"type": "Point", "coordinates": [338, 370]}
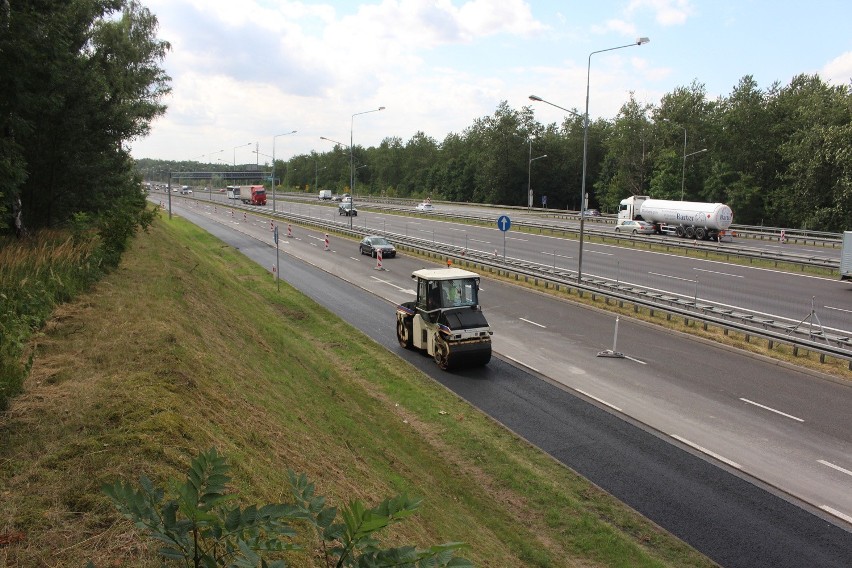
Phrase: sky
{"type": "Point", "coordinates": [247, 72]}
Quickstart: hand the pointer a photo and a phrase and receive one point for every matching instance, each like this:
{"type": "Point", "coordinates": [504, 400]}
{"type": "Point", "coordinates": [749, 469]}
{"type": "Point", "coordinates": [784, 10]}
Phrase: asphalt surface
{"type": "Point", "coordinates": [732, 518]}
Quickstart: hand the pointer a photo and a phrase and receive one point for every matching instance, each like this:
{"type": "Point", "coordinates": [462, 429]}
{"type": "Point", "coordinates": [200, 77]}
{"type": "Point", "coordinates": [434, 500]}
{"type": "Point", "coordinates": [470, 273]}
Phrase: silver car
{"type": "Point", "coordinates": [634, 227]}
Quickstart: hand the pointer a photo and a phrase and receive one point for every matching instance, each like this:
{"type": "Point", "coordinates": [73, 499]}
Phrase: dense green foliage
{"type": "Point", "coordinates": [780, 157]}
{"type": "Point", "coordinates": [81, 79]}
{"type": "Point", "coordinates": [197, 526]}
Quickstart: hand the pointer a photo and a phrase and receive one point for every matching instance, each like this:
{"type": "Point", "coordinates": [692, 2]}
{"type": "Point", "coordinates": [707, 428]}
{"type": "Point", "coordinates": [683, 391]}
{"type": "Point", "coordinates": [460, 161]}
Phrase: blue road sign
{"type": "Point", "coordinates": [275, 235]}
{"type": "Point", "coordinates": [504, 223]}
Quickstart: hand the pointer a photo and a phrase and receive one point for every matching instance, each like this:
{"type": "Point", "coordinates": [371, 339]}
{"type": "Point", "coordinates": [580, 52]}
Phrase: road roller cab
{"type": "Point", "coordinates": [446, 320]}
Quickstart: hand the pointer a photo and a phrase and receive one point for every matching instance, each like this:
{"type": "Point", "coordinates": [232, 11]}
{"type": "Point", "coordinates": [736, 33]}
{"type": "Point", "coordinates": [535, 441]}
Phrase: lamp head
{"type": "Point", "coordinates": [381, 108]}
{"type": "Point", "coordinates": [641, 40]}
{"type": "Point", "coordinates": [536, 98]}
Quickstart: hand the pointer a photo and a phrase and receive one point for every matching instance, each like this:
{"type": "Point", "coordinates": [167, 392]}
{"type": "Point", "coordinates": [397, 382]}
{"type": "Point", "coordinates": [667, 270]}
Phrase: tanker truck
{"type": "Point", "coordinates": [445, 321]}
{"type": "Point", "coordinates": [688, 219]}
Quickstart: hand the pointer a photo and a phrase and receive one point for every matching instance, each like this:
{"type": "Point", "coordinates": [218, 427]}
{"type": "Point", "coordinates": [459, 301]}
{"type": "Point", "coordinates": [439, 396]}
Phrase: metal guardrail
{"type": "Point", "coordinates": [707, 247]}
{"type": "Point", "coordinates": [740, 321]}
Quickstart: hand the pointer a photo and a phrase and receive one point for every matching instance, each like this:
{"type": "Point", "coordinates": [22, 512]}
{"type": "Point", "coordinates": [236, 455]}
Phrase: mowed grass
{"type": "Point", "coordinates": [189, 345]}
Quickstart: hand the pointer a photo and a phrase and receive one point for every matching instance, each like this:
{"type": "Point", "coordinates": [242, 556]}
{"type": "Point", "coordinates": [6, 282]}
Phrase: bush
{"type": "Point", "coordinates": [197, 525]}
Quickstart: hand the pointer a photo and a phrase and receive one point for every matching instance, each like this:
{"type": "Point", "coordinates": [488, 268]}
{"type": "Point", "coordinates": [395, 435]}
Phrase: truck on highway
{"type": "Point", "coordinates": [252, 194]}
{"type": "Point", "coordinates": [846, 257]}
{"type": "Point", "coordinates": [687, 219]}
{"type": "Point", "coordinates": [324, 194]}
{"type": "Point", "coordinates": [446, 320]}
{"type": "Point", "coordinates": [233, 192]}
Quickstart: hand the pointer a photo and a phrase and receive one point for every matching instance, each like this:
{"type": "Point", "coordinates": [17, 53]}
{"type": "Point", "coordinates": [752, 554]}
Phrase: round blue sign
{"type": "Point", "coordinates": [504, 223]}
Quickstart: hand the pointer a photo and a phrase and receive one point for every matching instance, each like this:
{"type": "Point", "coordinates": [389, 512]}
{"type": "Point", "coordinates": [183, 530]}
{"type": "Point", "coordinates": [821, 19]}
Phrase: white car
{"type": "Point", "coordinates": [426, 207]}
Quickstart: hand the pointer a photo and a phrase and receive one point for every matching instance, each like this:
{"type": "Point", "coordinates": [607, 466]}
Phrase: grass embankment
{"type": "Point", "coordinates": [188, 345]}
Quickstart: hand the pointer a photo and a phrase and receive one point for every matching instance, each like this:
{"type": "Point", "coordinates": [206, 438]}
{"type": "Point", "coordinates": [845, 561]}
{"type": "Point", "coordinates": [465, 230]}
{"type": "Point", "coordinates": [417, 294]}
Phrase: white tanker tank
{"type": "Point", "coordinates": [689, 219]}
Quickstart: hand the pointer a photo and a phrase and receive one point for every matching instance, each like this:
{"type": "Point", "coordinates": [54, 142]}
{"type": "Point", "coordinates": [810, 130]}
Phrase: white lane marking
{"type": "Point", "coordinates": [400, 288]}
{"type": "Point", "coordinates": [522, 364]}
{"type": "Point", "coordinates": [706, 451]}
{"type": "Point", "coordinates": [453, 229]}
{"type": "Point", "coordinates": [790, 416]}
{"type": "Point", "coordinates": [838, 309]}
{"type": "Point", "coordinates": [478, 241]}
{"type": "Point", "coordinates": [532, 322]}
{"type": "Point", "coordinates": [670, 276]}
{"type": "Point", "coordinates": [837, 467]}
{"type": "Point", "coordinates": [836, 513]}
{"type": "Point", "coordinates": [552, 254]}
{"type": "Point", "coordinates": [599, 252]}
{"type": "Point", "coordinates": [719, 273]}
{"type": "Point", "coordinates": [593, 397]}
{"type": "Point", "coordinates": [355, 259]}
{"type": "Point", "coordinates": [516, 239]}
{"type": "Point", "coordinates": [634, 359]}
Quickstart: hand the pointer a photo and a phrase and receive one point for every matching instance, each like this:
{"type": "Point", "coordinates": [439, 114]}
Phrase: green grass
{"type": "Point", "coordinates": [188, 345]}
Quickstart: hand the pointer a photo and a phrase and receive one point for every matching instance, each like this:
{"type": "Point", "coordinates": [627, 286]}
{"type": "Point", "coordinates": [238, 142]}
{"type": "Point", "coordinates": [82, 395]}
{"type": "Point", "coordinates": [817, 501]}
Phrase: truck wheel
{"type": "Point", "coordinates": [689, 232]}
{"type": "Point", "coordinates": [442, 354]}
{"type": "Point", "coordinates": [679, 231]}
{"type": "Point", "coordinates": [403, 333]}
{"type": "Point", "coordinates": [700, 233]}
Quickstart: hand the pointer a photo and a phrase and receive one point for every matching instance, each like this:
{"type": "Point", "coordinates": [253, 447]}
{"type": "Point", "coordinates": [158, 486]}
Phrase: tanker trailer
{"type": "Point", "coordinates": [688, 219]}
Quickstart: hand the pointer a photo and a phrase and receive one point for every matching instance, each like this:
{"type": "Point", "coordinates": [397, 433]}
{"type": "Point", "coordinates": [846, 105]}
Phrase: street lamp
{"type": "Point", "coordinates": [273, 165]}
{"type": "Point", "coordinates": [685, 156]}
{"type": "Point", "coordinates": [352, 158]}
{"type": "Point", "coordinates": [529, 176]}
{"type": "Point", "coordinates": [316, 173]}
{"type": "Point", "coordinates": [235, 154]}
{"type": "Point", "coordinates": [639, 41]}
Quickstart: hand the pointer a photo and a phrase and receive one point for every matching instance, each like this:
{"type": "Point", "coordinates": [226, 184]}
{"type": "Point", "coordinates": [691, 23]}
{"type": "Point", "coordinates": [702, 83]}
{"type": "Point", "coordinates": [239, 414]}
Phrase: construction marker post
{"type": "Point", "coordinates": [612, 352]}
{"type": "Point", "coordinates": [271, 225]}
{"type": "Point", "coordinates": [277, 268]}
{"type": "Point", "coordinates": [326, 249]}
{"type": "Point", "coordinates": [379, 259]}
{"type": "Point", "coordinates": [783, 238]}
{"type": "Point", "coordinates": [289, 231]}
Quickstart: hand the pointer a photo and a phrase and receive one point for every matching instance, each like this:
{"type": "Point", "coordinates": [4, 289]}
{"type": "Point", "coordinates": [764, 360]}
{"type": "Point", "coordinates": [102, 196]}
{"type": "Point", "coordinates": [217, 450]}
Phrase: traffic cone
{"type": "Point", "coordinates": [449, 263]}
{"type": "Point", "coordinates": [326, 243]}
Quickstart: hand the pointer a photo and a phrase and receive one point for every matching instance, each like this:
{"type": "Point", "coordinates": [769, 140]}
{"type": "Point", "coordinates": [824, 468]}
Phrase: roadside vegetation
{"type": "Point", "coordinates": [187, 346]}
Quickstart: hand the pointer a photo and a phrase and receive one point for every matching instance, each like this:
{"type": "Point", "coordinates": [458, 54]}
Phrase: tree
{"type": "Point", "coordinates": [85, 81]}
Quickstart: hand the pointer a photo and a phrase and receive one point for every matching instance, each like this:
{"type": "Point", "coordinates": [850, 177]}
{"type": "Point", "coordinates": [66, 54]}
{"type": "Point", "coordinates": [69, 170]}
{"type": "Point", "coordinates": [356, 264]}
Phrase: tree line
{"type": "Point", "coordinates": [779, 157]}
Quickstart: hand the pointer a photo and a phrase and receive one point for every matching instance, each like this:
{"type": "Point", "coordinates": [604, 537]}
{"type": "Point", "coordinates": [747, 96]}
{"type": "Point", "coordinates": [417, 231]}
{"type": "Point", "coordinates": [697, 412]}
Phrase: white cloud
{"type": "Point", "coordinates": [666, 12]}
{"type": "Point", "coordinates": [839, 69]}
{"type": "Point", "coordinates": [619, 26]}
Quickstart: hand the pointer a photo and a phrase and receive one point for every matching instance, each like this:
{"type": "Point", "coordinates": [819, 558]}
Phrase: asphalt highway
{"type": "Point", "coordinates": [746, 460]}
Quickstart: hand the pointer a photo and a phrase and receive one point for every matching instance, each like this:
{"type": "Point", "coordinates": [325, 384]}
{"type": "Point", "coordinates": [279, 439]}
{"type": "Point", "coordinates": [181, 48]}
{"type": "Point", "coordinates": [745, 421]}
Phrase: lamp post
{"type": "Point", "coordinates": [639, 41]}
{"type": "Point", "coordinates": [529, 175]}
{"type": "Point", "coordinates": [316, 173]}
{"type": "Point", "coordinates": [352, 158]}
{"type": "Point", "coordinates": [235, 154]}
{"type": "Point", "coordinates": [350, 163]}
{"type": "Point", "coordinates": [273, 164]}
{"type": "Point", "coordinates": [685, 156]}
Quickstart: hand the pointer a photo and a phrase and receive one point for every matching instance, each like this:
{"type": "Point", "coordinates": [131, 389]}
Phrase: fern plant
{"type": "Point", "coordinates": [198, 524]}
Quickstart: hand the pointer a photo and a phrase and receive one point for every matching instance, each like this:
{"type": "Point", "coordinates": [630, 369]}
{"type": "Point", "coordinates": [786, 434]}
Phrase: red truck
{"type": "Point", "coordinates": [252, 194]}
